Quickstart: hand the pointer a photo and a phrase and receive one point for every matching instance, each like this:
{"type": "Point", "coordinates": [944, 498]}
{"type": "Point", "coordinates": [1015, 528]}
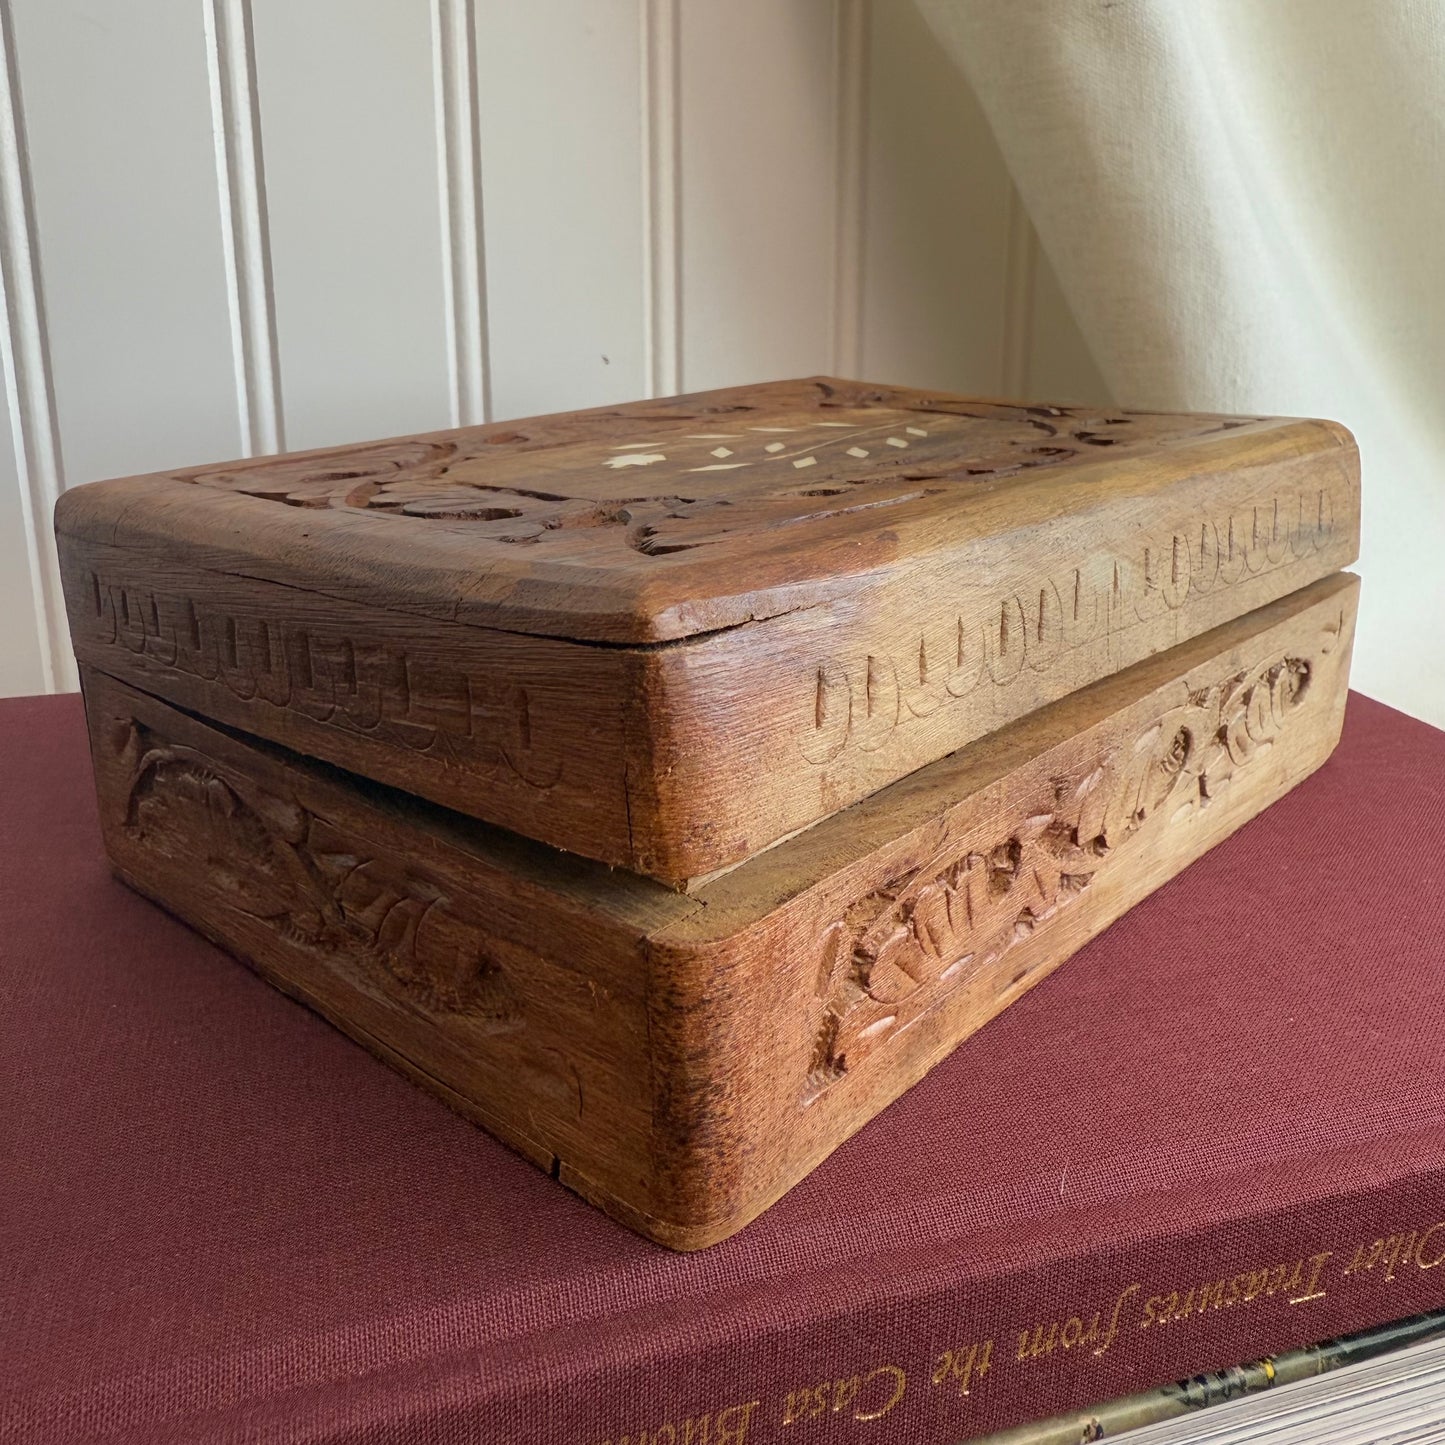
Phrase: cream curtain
{"type": "Point", "coordinates": [1244, 201]}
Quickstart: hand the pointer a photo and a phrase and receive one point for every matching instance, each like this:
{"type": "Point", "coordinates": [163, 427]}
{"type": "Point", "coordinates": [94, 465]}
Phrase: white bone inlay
{"type": "Point", "coordinates": [721, 452]}
{"type": "Point", "coordinates": [857, 451]}
{"type": "Point", "coordinates": [775, 446]}
{"type": "Point", "coordinates": [635, 459]}
{"type": "Point", "coordinates": [897, 442]}
{"type": "Point", "coordinates": [806, 462]}
{"type": "Point", "coordinates": [719, 467]}
{"type": "Point", "coordinates": [713, 436]}
{"type": "Point", "coordinates": [916, 431]}
{"type": "Point", "coordinates": [772, 428]}
{"type": "Point", "coordinates": [635, 446]}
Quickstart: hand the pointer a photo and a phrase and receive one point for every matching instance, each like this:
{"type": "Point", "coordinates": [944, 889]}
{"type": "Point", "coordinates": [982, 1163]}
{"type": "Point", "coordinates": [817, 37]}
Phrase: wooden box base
{"type": "Point", "coordinates": [682, 1061]}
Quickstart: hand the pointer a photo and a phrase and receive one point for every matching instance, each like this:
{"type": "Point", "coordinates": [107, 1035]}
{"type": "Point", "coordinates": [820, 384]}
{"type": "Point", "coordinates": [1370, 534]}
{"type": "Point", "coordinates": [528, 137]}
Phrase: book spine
{"type": "Point", "coordinates": [943, 1351]}
{"type": "Point", "coordinates": [959, 1338]}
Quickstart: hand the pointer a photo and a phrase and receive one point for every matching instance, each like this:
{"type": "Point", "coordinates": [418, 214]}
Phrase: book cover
{"type": "Point", "coordinates": [1217, 1133]}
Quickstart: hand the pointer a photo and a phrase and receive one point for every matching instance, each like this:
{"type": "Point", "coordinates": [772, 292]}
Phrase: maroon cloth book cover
{"type": "Point", "coordinates": [1217, 1132]}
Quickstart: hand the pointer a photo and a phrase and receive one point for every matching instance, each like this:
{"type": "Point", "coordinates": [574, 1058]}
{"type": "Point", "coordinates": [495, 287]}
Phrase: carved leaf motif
{"type": "Point", "coordinates": [276, 862]}
{"type": "Point", "coordinates": [180, 801]}
{"type": "Point", "coordinates": [878, 450]}
{"type": "Point", "coordinates": [901, 949]}
{"type": "Point", "coordinates": [347, 476]}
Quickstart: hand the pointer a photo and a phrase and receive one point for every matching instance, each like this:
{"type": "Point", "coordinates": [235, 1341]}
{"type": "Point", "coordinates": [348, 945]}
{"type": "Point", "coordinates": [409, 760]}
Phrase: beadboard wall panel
{"type": "Point", "coordinates": [300, 222]}
{"type": "Point", "coordinates": [757, 87]}
{"type": "Point", "coordinates": [31, 476]}
{"type": "Point", "coordinates": [935, 245]}
{"type": "Point", "coordinates": [564, 212]}
{"type": "Point", "coordinates": [118, 120]}
{"type": "Point", "coordinates": [21, 669]}
{"type": "Point", "coordinates": [349, 137]}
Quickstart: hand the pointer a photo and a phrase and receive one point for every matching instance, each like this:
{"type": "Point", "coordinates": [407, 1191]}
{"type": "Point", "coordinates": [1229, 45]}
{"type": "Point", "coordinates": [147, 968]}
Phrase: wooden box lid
{"type": "Point", "coordinates": [667, 634]}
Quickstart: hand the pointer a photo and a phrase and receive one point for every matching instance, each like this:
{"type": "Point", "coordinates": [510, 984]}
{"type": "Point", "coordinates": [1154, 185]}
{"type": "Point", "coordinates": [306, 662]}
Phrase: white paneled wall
{"type": "Point", "coordinates": [560, 89]}
{"type": "Point", "coordinates": [233, 225]}
{"type": "Point", "coordinates": [344, 96]}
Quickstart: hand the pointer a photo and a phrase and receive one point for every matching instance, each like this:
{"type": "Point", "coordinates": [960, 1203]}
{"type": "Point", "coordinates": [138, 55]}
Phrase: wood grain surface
{"type": "Point", "coordinates": [682, 1060]}
{"type": "Point", "coordinates": [669, 634]}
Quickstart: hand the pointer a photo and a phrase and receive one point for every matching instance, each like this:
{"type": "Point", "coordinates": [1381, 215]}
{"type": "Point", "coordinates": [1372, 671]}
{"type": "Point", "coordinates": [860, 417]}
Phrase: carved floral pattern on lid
{"type": "Point", "coordinates": [687, 479]}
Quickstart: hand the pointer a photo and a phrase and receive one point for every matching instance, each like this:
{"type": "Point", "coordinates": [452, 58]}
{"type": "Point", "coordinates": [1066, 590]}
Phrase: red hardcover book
{"type": "Point", "coordinates": [1218, 1132]}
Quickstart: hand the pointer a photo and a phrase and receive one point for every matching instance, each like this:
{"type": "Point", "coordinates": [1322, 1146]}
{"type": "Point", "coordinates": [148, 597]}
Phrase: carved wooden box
{"type": "Point", "coordinates": [666, 635]}
{"type": "Point", "coordinates": [681, 1059]}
